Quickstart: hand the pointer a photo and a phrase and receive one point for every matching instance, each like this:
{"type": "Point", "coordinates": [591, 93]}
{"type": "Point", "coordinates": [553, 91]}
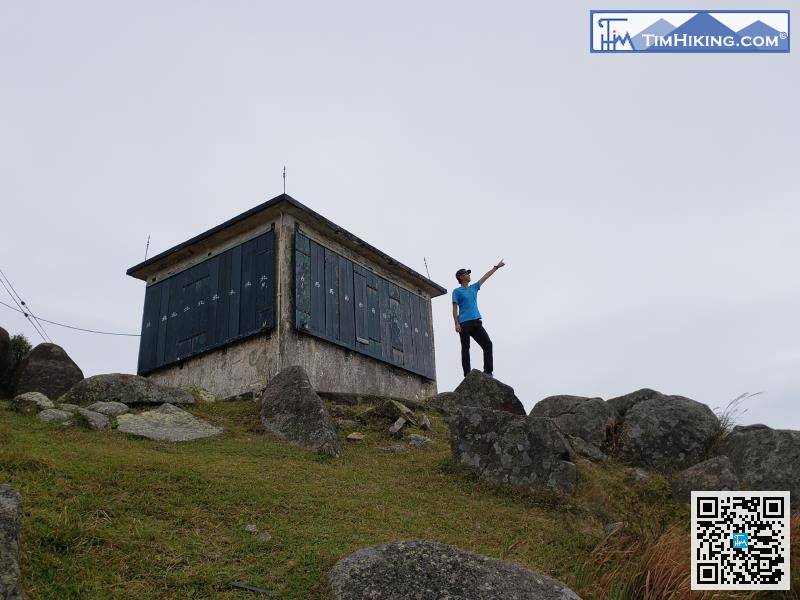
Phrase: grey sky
{"type": "Point", "coordinates": [646, 206]}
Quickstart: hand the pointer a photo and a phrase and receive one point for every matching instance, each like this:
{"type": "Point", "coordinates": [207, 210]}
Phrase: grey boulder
{"type": "Point", "coordinates": [421, 570]}
{"type": "Point", "coordinates": [526, 452]}
{"type": "Point", "coordinates": [591, 419]}
{"type": "Point", "coordinates": [94, 420]}
{"type": "Point", "coordinates": [622, 404]}
{"type": "Point", "coordinates": [478, 389]}
{"type": "Point", "coordinates": [765, 458]}
{"type": "Point", "coordinates": [54, 415]}
{"type": "Point", "coordinates": [587, 450]}
{"type": "Point", "coordinates": [124, 388]}
{"type": "Point", "coordinates": [6, 358]}
{"type": "Point", "coordinates": [667, 433]}
{"type": "Point", "coordinates": [712, 474]}
{"type": "Point", "coordinates": [31, 402]}
{"type": "Point", "coordinates": [166, 423]}
{"type": "Point", "coordinates": [291, 409]}
{"type": "Point", "coordinates": [47, 369]}
{"type": "Point", "coordinates": [444, 402]}
{"type": "Point", "coordinates": [10, 526]}
{"type": "Point", "coordinates": [420, 442]}
{"type": "Point", "coordinates": [109, 409]}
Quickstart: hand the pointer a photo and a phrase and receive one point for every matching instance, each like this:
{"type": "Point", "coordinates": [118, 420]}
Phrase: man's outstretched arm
{"type": "Point", "coordinates": [491, 271]}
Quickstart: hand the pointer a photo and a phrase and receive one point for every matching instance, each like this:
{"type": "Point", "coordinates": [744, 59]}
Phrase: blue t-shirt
{"type": "Point", "coordinates": [467, 300]}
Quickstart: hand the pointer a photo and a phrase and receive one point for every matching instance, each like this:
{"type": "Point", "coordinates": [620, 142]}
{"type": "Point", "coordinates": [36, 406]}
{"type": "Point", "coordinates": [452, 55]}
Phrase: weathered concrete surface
{"type": "Point", "coordinates": [421, 570]}
{"type": "Point", "coordinates": [10, 527]}
{"type": "Point", "coordinates": [238, 368]}
{"type": "Point", "coordinates": [166, 423]}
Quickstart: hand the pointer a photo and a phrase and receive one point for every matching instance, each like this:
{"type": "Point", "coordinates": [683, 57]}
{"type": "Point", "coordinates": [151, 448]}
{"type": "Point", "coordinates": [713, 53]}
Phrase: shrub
{"type": "Point", "coordinates": [20, 346]}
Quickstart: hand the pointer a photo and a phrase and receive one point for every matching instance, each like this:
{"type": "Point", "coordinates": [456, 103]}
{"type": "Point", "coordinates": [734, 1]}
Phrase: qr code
{"type": "Point", "coordinates": [740, 540]}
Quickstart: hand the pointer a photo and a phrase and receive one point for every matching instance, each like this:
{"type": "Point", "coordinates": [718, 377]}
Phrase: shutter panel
{"type": "Point", "coordinates": [264, 278]}
{"type": "Point", "coordinates": [163, 319]}
{"type": "Point", "coordinates": [235, 292]}
{"type": "Point", "coordinates": [318, 289]}
{"type": "Point", "coordinates": [347, 330]}
{"type": "Point", "coordinates": [331, 295]}
{"type": "Point", "coordinates": [148, 343]}
{"type": "Point", "coordinates": [383, 316]}
{"type": "Point", "coordinates": [361, 309]}
{"type": "Point", "coordinates": [247, 297]}
{"type": "Point", "coordinates": [405, 328]}
{"type": "Point", "coordinates": [211, 299]}
{"type": "Point", "coordinates": [302, 283]}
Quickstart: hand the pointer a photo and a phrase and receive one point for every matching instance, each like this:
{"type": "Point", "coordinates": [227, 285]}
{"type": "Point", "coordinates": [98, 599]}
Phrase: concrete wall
{"type": "Point", "coordinates": [249, 364]}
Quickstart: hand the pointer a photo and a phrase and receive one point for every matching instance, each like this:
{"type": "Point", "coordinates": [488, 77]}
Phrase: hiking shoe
{"type": "Point", "coordinates": [488, 374]}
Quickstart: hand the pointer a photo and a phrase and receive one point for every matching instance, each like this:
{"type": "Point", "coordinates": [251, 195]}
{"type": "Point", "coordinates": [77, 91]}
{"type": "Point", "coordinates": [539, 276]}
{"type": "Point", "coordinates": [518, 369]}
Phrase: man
{"type": "Point", "coordinates": [468, 319]}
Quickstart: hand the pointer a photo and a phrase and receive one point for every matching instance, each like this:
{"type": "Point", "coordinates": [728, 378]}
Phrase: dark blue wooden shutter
{"type": "Point", "coordinates": [361, 309]}
{"type": "Point", "coordinates": [303, 282]}
{"type": "Point", "coordinates": [265, 280]}
{"type": "Point", "coordinates": [331, 294]}
{"type": "Point", "coordinates": [317, 289]}
{"type": "Point", "coordinates": [347, 330]}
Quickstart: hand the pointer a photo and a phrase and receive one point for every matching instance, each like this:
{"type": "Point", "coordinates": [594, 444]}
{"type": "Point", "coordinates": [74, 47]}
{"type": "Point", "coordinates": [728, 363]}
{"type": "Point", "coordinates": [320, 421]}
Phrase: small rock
{"type": "Point", "coordinates": [251, 528]}
{"type": "Point", "coordinates": [95, 420]}
{"type": "Point", "coordinates": [640, 475]}
{"type": "Point", "coordinates": [587, 450]}
{"type": "Point", "coordinates": [69, 407]}
{"type": "Point", "coordinates": [356, 436]}
{"type": "Point", "coordinates": [395, 448]}
{"type": "Point", "coordinates": [420, 442]}
{"type": "Point", "coordinates": [53, 415]}
{"type": "Point", "coordinates": [397, 426]}
{"type": "Point", "coordinates": [264, 537]}
{"type": "Point", "coordinates": [109, 409]}
{"type": "Point", "coordinates": [346, 424]}
{"type": "Point", "coordinates": [31, 402]}
{"type": "Point", "coordinates": [425, 423]}
{"type": "Point", "coordinates": [201, 395]}
{"type": "Point", "coordinates": [389, 410]}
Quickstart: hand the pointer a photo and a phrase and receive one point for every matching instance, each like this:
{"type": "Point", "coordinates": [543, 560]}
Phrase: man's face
{"type": "Point", "coordinates": [465, 278]}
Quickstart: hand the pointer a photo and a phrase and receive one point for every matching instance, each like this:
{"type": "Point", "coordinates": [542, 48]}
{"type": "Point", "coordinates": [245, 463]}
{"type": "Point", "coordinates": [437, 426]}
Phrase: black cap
{"type": "Point", "coordinates": [461, 272]}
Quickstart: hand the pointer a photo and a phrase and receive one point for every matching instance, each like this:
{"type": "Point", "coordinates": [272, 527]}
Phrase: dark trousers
{"type": "Point", "coordinates": [474, 329]}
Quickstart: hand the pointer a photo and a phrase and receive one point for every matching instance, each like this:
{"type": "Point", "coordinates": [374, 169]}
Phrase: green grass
{"type": "Point", "coordinates": [111, 516]}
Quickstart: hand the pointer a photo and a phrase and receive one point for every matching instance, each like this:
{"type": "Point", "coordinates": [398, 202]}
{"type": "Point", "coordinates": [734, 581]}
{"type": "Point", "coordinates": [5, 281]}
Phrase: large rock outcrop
{"type": "Point", "coordinates": [526, 452]}
{"type": "Point", "coordinates": [10, 526]}
{"type": "Point", "coordinates": [6, 358]}
{"type": "Point", "coordinates": [478, 389]}
{"type": "Point", "coordinates": [292, 409]}
{"type": "Point", "coordinates": [125, 388]}
{"type": "Point", "coordinates": [47, 369]}
{"type": "Point", "coordinates": [622, 404]}
{"type": "Point", "coordinates": [421, 570]}
{"type": "Point", "coordinates": [765, 458]}
{"type": "Point", "coordinates": [591, 419]}
{"type": "Point", "coordinates": [667, 433]}
{"type": "Point", "coordinates": [166, 423]}
{"type": "Point", "coordinates": [713, 474]}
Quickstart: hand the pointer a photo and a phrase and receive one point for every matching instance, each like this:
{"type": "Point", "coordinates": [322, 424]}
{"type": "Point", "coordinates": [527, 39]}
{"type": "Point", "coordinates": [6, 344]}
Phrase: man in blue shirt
{"type": "Point", "coordinates": [468, 319]}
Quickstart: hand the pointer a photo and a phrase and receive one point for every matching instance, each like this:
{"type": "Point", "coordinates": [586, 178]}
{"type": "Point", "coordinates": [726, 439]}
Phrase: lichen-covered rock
{"type": "Point", "coordinates": [404, 570]}
{"type": "Point", "coordinates": [6, 358]}
{"type": "Point", "coordinates": [587, 450]}
{"type": "Point", "coordinates": [622, 404]}
{"type": "Point", "coordinates": [713, 474]}
{"type": "Point", "coordinates": [291, 409]}
{"type": "Point", "coordinates": [10, 527]}
{"type": "Point", "coordinates": [667, 433]}
{"type": "Point", "coordinates": [124, 388]}
{"type": "Point", "coordinates": [444, 402]}
{"type": "Point", "coordinates": [201, 395]}
{"type": "Point", "coordinates": [765, 458]}
{"type": "Point", "coordinates": [47, 369]}
{"type": "Point", "coordinates": [527, 452]}
{"type": "Point", "coordinates": [94, 420]}
{"type": "Point", "coordinates": [109, 409]}
{"type": "Point", "coordinates": [591, 419]}
{"type": "Point", "coordinates": [166, 423]}
{"type": "Point", "coordinates": [31, 402]}
{"type": "Point", "coordinates": [54, 415]}
{"type": "Point", "coordinates": [389, 411]}
{"type": "Point", "coordinates": [68, 407]}
{"type": "Point", "coordinates": [478, 389]}
{"type": "Point", "coordinates": [420, 442]}
{"type": "Point", "coordinates": [346, 424]}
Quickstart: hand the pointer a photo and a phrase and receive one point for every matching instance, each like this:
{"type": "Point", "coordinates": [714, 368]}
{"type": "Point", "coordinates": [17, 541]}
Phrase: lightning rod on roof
{"type": "Point", "coordinates": [147, 246]}
{"type": "Point", "coordinates": [425, 260]}
{"type": "Point", "coordinates": [284, 179]}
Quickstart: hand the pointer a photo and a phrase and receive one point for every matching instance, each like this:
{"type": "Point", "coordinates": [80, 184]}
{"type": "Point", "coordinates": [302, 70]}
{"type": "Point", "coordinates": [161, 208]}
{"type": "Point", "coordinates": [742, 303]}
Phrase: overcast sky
{"type": "Point", "coordinates": [646, 206]}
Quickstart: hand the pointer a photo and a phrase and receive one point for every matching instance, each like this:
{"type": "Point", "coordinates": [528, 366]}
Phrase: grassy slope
{"type": "Point", "coordinates": [111, 516]}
